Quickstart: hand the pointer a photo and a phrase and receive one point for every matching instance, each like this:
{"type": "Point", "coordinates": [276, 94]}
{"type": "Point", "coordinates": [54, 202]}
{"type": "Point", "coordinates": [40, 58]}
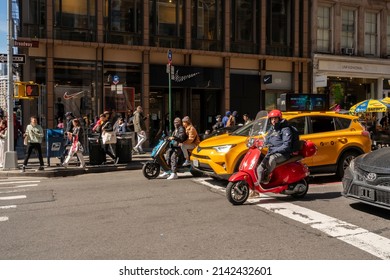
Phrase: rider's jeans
{"type": "Point", "coordinates": [185, 148]}
{"type": "Point", "coordinates": [268, 164]}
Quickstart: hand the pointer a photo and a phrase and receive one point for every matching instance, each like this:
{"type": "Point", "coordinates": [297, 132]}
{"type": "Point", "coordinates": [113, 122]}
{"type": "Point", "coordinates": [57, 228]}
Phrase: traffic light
{"type": "Point", "coordinates": [26, 90]}
{"type": "Point", "coordinates": [32, 90]}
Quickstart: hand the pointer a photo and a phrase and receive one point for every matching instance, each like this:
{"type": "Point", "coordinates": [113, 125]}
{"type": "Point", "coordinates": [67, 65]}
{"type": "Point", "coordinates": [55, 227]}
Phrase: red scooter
{"type": "Point", "coordinates": [289, 177]}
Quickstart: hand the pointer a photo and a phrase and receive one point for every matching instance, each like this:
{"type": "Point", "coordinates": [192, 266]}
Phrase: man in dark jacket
{"type": "Point", "coordinates": [178, 136]}
{"type": "Point", "coordinates": [278, 140]}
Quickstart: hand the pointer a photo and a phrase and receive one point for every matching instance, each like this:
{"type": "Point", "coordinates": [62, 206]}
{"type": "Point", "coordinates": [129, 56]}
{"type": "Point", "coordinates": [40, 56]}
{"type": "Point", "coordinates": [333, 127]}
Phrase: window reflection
{"type": "Point", "coordinates": [75, 20]}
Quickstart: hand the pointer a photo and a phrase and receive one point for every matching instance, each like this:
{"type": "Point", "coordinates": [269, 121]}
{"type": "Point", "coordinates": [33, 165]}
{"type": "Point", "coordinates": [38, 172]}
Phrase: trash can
{"type": "Point", "coordinates": [54, 143]}
{"type": "Point", "coordinates": [96, 153]}
{"type": "Point", "coordinates": [123, 147]}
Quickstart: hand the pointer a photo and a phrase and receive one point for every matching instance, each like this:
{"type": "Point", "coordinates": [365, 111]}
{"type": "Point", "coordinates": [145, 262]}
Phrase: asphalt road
{"type": "Point", "coordinates": [121, 215]}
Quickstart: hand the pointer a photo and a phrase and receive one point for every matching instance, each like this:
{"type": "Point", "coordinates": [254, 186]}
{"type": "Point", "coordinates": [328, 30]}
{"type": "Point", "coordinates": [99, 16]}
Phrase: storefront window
{"type": "Point", "coordinates": [388, 36]}
{"type": "Point", "coordinates": [244, 26]}
{"type": "Point", "coordinates": [324, 30]}
{"type": "Point", "coordinates": [348, 29]}
{"type": "Point", "coordinates": [75, 20]}
{"type": "Point", "coordinates": [166, 23]}
{"type": "Point", "coordinates": [33, 22]}
{"type": "Point", "coordinates": [279, 25]}
{"type": "Point", "coordinates": [75, 87]}
{"type": "Point", "coordinates": [370, 34]}
{"type": "Point", "coordinates": [123, 21]}
{"type": "Point", "coordinates": [122, 87]}
{"type": "Point", "coordinates": [207, 25]}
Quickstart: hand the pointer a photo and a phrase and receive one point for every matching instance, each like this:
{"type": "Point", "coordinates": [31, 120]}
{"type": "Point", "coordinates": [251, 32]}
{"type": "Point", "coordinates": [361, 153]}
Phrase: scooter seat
{"type": "Point", "coordinates": [291, 159]}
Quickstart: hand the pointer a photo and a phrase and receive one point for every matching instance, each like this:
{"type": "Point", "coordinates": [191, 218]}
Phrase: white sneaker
{"type": "Point", "coordinates": [187, 163]}
{"type": "Point", "coordinates": [164, 175]}
{"type": "Point", "coordinates": [173, 176]}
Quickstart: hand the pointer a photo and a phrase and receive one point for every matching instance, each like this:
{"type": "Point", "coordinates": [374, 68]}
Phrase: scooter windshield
{"type": "Point", "coordinates": [259, 127]}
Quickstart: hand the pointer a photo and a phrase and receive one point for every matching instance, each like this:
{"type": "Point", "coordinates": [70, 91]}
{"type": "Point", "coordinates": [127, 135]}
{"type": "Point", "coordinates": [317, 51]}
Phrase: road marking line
{"type": "Point", "coordinates": [13, 197]}
{"type": "Point", "coordinates": [21, 186]}
{"type": "Point", "coordinates": [18, 182]}
{"type": "Point", "coordinates": [7, 207]}
{"type": "Point", "coordinates": [358, 237]}
{"type": "Point", "coordinates": [3, 219]}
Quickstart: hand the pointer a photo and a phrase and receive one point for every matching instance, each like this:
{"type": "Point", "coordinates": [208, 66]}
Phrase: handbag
{"type": "Point", "coordinates": [25, 140]}
{"type": "Point", "coordinates": [109, 137]}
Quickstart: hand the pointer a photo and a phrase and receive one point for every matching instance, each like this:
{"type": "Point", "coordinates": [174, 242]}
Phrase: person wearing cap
{"type": "Point", "coordinates": [192, 141]}
{"type": "Point", "coordinates": [178, 136]}
{"type": "Point", "coordinates": [226, 118]}
{"type": "Point", "coordinates": [232, 119]}
{"type": "Point", "coordinates": [218, 124]}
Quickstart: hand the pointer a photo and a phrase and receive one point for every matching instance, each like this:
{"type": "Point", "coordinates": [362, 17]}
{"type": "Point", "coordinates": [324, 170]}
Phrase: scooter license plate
{"type": "Point", "coordinates": [195, 162]}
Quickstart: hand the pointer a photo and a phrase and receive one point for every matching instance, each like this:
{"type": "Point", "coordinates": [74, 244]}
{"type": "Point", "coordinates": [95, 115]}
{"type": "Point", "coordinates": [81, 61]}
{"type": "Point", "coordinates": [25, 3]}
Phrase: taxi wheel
{"type": "Point", "coordinates": [196, 173]}
{"type": "Point", "coordinates": [344, 162]}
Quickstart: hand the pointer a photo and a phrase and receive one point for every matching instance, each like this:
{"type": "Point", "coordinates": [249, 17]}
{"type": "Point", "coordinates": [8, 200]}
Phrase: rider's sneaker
{"type": "Point", "coordinates": [187, 163]}
{"type": "Point", "coordinates": [164, 175]}
{"type": "Point", "coordinates": [173, 176]}
{"type": "Point", "coordinates": [266, 179]}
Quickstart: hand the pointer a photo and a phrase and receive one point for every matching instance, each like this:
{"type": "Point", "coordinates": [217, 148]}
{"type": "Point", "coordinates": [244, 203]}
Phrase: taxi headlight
{"type": "Point", "coordinates": [223, 149]}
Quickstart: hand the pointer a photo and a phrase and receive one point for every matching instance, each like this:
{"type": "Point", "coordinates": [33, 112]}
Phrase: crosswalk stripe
{"type": "Point", "coordinates": [8, 207]}
{"type": "Point", "coordinates": [358, 237]}
{"type": "Point", "coordinates": [13, 197]}
{"type": "Point", "coordinates": [3, 219]}
{"type": "Point", "coordinates": [18, 182]}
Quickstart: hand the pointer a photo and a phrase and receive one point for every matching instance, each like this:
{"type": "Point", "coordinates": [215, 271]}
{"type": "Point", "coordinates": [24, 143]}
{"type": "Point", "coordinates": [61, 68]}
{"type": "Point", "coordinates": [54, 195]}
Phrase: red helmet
{"type": "Point", "coordinates": [275, 114]}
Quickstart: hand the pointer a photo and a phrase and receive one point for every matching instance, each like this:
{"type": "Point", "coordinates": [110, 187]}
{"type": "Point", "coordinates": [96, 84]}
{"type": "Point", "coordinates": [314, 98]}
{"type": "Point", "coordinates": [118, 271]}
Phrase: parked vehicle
{"type": "Point", "coordinates": [152, 168]}
{"type": "Point", "coordinates": [338, 137]}
{"type": "Point", "coordinates": [289, 177]}
{"type": "Point", "coordinates": [367, 178]}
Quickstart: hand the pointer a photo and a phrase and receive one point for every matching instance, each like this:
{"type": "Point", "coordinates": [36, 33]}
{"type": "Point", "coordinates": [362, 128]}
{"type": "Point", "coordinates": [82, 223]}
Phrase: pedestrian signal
{"type": "Point", "coordinates": [26, 90]}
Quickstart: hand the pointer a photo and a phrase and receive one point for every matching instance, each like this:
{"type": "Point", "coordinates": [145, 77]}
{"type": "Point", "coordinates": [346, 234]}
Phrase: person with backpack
{"type": "Point", "coordinates": [279, 141]}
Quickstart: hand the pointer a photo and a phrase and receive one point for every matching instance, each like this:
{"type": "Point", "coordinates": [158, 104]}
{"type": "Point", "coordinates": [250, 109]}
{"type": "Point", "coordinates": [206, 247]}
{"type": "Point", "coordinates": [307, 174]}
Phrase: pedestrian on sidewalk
{"type": "Point", "coordinates": [77, 136]}
{"type": "Point", "coordinates": [106, 126]}
{"type": "Point", "coordinates": [3, 142]}
{"type": "Point", "coordinates": [140, 129]}
{"type": "Point", "coordinates": [34, 134]}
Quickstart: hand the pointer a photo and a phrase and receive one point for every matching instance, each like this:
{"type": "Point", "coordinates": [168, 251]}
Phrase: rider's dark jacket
{"type": "Point", "coordinates": [279, 139]}
{"type": "Point", "coordinates": [179, 135]}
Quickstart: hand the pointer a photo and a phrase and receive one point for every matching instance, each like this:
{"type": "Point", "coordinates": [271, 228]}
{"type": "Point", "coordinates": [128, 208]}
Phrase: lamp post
{"type": "Point", "coordinates": [11, 160]}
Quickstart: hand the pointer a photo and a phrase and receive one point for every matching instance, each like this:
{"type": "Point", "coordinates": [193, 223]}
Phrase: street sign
{"type": "Point", "coordinates": [26, 44]}
{"type": "Point", "coordinates": [16, 58]}
{"type": "Point", "coordinates": [115, 80]}
{"type": "Point", "coordinates": [169, 56]}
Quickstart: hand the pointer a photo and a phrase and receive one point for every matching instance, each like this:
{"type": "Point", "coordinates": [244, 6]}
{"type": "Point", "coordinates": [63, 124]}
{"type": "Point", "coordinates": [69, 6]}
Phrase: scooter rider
{"type": "Point", "coordinates": [278, 138]}
{"type": "Point", "coordinates": [178, 136]}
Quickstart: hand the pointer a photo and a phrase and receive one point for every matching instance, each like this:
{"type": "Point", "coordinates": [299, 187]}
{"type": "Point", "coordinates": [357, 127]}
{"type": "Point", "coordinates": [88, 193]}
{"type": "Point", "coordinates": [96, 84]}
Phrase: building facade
{"type": "Point", "coordinates": [97, 55]}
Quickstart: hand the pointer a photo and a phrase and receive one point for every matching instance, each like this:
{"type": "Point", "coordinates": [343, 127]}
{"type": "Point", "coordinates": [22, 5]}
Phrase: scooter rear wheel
{"type": "Point", "coordinates": [237, 192]}
{"type": "Point", "coordinates": [151, 170]}
{"type": "Point", "coordinates": [303, 188]}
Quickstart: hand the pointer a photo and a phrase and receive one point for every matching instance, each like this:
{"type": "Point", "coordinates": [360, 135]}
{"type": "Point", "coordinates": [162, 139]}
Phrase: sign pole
{"type": "Point", "coordinates": [170, 90]}
{"type": "Point", "coordinates": [11, 159]}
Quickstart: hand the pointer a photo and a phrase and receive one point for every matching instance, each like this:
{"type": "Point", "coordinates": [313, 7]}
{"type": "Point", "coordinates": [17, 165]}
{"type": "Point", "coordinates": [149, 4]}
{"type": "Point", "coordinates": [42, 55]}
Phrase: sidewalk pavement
{"type": "Point", "coordinates": [56, 170]}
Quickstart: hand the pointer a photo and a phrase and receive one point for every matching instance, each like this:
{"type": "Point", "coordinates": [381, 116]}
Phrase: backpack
{"type": "Point", "coordinates": [295, 145]}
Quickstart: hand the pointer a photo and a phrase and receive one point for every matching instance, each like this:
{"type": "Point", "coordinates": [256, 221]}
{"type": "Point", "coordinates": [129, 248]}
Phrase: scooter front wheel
{"type": "Point", "coordinates": [237, 192]}
{"type": "Point", "coordinates": [151, 170]}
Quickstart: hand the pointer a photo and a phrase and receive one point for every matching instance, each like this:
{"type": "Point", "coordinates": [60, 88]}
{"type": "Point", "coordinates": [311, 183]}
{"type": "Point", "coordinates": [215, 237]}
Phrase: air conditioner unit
{"type": "Point", "coordinates": [348, 51]}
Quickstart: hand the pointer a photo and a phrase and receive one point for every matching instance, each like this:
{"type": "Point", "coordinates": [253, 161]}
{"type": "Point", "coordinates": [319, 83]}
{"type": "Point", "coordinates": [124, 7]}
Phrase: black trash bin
{"type": "Point", "coordinates": [96, 153]}
{"type": "Point", "coordinates": [123, 148]}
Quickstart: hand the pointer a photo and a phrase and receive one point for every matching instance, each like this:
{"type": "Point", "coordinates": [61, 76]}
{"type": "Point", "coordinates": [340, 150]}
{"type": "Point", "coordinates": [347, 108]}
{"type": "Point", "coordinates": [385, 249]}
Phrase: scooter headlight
{"type": "Point", "coordinates": [223, 149]}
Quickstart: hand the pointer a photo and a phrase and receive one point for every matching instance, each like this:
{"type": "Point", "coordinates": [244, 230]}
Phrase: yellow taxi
{"type": "Point", "coordinates": [338, 137]}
